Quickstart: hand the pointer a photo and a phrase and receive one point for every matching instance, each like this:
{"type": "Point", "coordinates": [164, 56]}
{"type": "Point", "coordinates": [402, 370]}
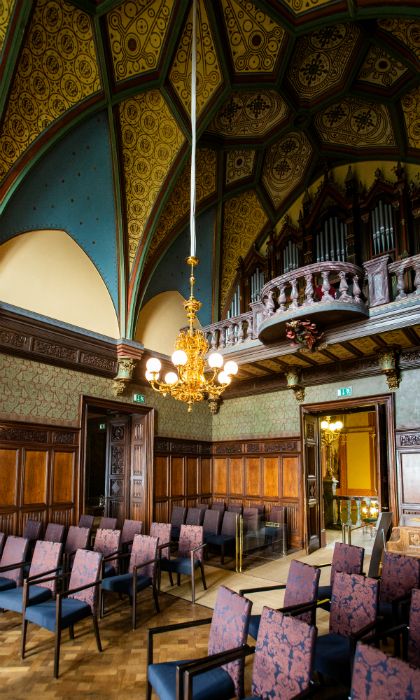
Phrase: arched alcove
{"type": "Point", "coordinates": [160, 321]}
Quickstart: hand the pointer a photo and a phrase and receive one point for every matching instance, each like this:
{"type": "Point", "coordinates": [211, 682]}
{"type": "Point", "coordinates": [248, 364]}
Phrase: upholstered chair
{"type": "Point", "coordinates": [108, 543]}
{"type": "Point", "coordinates": [86, 520]}
{"type": "Point", "coordinates": [163, 532]}
{"type": "Point", "coordinates": [400, 574]}
{"type": "Point", "coordinates": [212, 522]}
{"type": "Point", "coordinates": [70, 606]}
{"type": "Point", "coordinates": [227, 536]}
{"type": "Point", "coordinates": [11, 563]}
{"type": "Point", "coordinates": [235, 508]}
{"type": "Point", "coordinates": [413, 652]}
{"type": "Point", "coordinates": [346, 558]}
{"type": "Point", "coordinates": [228, 630]}
{"type": "Point", "coordinates": [300, 591]}
{"type": "Point", "coordinates": [32, 530]}
{"type": "Point", "coordinates": [189, 556]}
{"type": "Point", "coordinates": [54, 532]}
{"type": "Point", "coordinates": [142, 571]}
{"type": "Point", "coordinates": [178, 516]}
{"type": "Point", "coordinates": [379, 676]}
{"type": "Point", "coordinates": [77, 538]}
{"type": "Point", "coordinates": [129, 529]}
{"type": "Point", "coordinates": [218, 505]}
{"type": "Point", "coordinates": [195, 516]}
{"type": "Point", "coordinates": [353, 611]}
{"type": "Point", "coordinates": [275, 530]}
{"type": "Point", "coordinates": [3, 538]}
{"type": "Point", "coordinates": [107, 523]}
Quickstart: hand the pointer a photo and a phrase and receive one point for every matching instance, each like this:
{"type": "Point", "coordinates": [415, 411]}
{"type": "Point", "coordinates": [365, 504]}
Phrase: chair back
{"type": "Point", "coordinates": [130, 528]}
{"type": "Point", "coordinates": [77, 538]}
{"type": "Point", "coordinates": [212, 521]}
{"type": "Point", "coordinates": [14, 552]}
{"type": "Point", "coordinates": [32, 530]}
{"type": "Point", "coordinates": [278, 514]}
{"type": "Point", "coordinates": [250, 519]}
{"type": "Point", "coordinates": [229, 523]}
{"type": "Point", "coordinates": [2, 541]}
{"type": "Point", "coordinates": [235, 508]}
{"type": "Point", "coordinates": [190, 536]}
{"type": "Point", "coordinates": [107, 524]}
{"type": "Point", "coordinates": [86, 520]}
{"type": "Point", "coordinates": [218, 505]}
{"type": "Point", "coordinates": [107, 542]}
{"type": "Point", "coordinates": [86, 569]}
{"type": "Point", "coordinates": [284, 656]}
{"type": "Point", "coordinates": [46, 557]}
{"type": "Point", "coordinates": [302, 587]}
{"type": "Point", "coordinates": [400, 574]}
{"type": "Point", "coordinates": [377, 675]}
{"type": "Point", "coordinates": [54, 532]}
{"type": "Point", "coordinates": [178, 516]}
{"type": "Point", "coordinates": [163, 532]}
{"type": "Point", "coordinates": [195, 516]}
{"type": "Point", "coordinates": [347, 558]}
{"type": "Point", "coordinates": [354, 603]}
{"type": "Point", "coordinates": [229, 629]}
{"type": "Point", "coordinates": [145, 548]}
{"type": "Point", "coordinates": [414, 629]}
{"type": "Point", "coordinates": [383, 526]}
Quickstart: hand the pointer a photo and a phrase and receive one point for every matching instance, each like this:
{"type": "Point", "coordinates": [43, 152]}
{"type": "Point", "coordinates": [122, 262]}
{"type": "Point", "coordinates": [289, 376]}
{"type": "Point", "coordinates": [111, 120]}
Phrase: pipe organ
{"type": "Point", "coordinates": [235, 306]}
{"type": "Point", "coordinates": [256, 284]}
{"type": "Point", "coordinates": [382, 228]}
{"type": "Point", "coordinates": [331, 241]}
{"type": "Point", "coordinates": [290, 257]}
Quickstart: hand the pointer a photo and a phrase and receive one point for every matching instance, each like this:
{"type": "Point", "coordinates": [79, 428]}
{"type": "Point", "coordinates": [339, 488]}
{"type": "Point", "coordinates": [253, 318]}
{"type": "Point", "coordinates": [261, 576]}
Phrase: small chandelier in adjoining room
{"type": "Point", "coordinates": [193, 380]}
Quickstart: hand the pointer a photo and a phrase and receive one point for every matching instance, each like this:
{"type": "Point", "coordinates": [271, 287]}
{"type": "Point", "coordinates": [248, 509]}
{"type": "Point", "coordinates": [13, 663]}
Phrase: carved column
{"type": "Point", "coordinates": [378, 280]}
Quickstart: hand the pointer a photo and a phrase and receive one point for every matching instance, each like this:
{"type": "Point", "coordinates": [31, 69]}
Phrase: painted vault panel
{"type": "Point", "coordinates": [209, 75]}
{"type": "Point", "coordinates": [6, 8]}
{"type": "Point", "coordinates": [298, 7]}
{"type": "Point", "coordinates": [405, 30]}
{"type": "Point", "coordinates": [411, 108]}
{"type": "Point", "coordinates": [380, 69]}
{"type": "Point", "coordinates": [151, 139]}
{"type": "Point", "coordinates": [250, 114]}
{"type": "Point", "coordinates": [285, 165]}
{"type": "Point", "coordinates": [356, 123]}
{"type": "Point", "coordinates": [57, 69]}
{"type": "Point", "coordinates": [255, 40]}
{"type": "Point", "coordinates": [137, 33]}
{"type": "Point", "coordinates": [239, 165]}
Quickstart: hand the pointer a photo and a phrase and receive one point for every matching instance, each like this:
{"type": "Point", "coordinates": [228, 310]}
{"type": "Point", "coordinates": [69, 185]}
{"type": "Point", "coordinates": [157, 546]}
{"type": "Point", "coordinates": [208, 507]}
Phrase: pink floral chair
{"type": "Point", "coordinates": [400, 574]}
{"type": "Point", "coordinates": [377, 675]}
{"type": "Point", "coordinates": [189, 556]}
{"type": "Point", "coordinates": [12, 561]}
{"type": "Point", "coordinates": [77, 538]}
{"type": "Point", "coordinates": [54, 532]}
{"type": "Point", "coordinates": [228, 630]}
{"type": "Point", "coordinates": [347, 558]}
{"type": "Point", "coordinates": [108, 543]}
{"type": "Point", "coordinates": [69, 607]}
{"type": "Point", "coordinates": [107, 523]}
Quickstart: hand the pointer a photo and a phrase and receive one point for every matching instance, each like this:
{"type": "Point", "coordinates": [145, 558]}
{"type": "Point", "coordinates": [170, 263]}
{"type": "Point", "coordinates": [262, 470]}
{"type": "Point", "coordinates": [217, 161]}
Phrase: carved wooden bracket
{"type": "Point", "coordinates": [293, 381]}
{"type": "Point", "coordinates": [388, 362]}
{"type": "Point", "coordinates": [126, 367]}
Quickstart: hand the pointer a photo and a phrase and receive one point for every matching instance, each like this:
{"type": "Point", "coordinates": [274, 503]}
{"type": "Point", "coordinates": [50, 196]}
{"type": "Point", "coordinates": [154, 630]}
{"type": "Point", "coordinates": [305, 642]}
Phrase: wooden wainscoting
{"type": "Point", "coordinates": [408, 461]}
{"type": "Point", "coordinates": [182, 475]}
{"type": "Point", "coordinates": [38, 475]}
{"type": "Point", "coordinates": [264, 471]}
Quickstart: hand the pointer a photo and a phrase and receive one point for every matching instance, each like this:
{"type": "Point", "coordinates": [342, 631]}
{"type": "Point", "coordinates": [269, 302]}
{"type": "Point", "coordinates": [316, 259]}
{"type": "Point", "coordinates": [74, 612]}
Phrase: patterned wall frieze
{"type": "Point", "coordinates": [322, 59]}
{"type": "Point", "coordinates": [380, 68]}
{"type": "Point", "coordinates": [182, 447]}
{"type": "Point", "coordinates": [137, 33]}
{"type": "Point", "coordinates": [298, 7]}
{"type": "Point", "coordinates": [243, 219]}
{"type": "Point", "coordinates": [411, 107]}
{"type": "Point", "coordinates": [35, 434]}
{"type": "Point", "coordinates": [356, 123]}
{"type": "Point", "coordinates": [57, 69]}
{"type": "Point", "coordinates": [239, 165]}
{"type": "Point", "coordinates": [178, 204]}
{"type": "Point", "coordinates": [285, 165]}
{"type": "Point", "coordinates": [209, 74]}
{"type": "Point", "coordinates": [250, 114]}
{"type": "Point", "coordinates": [151, 140]}
{"type": "Point", "coordinates": [406, 31]}
{"type": "Point", "coordinates": [6, 8]}
{"type": "Point", "coordinates": [409, 439]}
{"type": "Point", "coordinates": [255, 40]}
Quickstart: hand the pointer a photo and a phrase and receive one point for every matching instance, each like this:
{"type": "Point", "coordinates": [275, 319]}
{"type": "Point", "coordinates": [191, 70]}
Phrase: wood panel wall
{"type": "Point", "coordinates": [183, 475]}
{"type": "Point", "coordinates": [39, 476]}
{"type": "Point", "coordinates": [265, 472]}
{"type": "Point", "coordinates": [408, 471]}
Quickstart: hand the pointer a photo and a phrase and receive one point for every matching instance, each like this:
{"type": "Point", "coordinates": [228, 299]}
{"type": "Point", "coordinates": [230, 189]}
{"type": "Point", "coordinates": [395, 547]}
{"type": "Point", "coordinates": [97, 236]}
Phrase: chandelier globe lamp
{"type": "Point", "coordinates": [197, 375]}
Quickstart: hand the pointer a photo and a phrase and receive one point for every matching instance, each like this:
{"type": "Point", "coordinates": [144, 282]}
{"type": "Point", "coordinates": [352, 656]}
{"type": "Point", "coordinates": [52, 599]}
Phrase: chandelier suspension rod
{"type": "Point", "coordinates": [193, 127]}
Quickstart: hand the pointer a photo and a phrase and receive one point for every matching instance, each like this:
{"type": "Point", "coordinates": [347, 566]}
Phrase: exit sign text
{"type": "Point", "coordinates": [345, 391]}
{"type": "Point", "coordinates": [139, 398]}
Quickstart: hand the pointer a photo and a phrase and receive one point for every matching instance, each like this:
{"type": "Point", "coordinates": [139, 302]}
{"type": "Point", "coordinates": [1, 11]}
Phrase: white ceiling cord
{"type": "Point", "coordinates": [193, 125]}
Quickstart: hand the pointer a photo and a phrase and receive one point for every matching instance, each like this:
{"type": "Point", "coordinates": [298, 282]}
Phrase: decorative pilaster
{"type": "Point", "coordinates": [294, 383]}
{"type": "Point", "coordinates": [127, 356]}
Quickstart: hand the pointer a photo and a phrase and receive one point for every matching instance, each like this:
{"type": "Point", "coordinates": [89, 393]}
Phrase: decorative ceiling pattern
{"type": "Point", "coordinates": [250, 114]}
{"type": "Point", "coordinates": [57, 69]}
{"type": "Point", "coordinates": [407, 31]}
{"type": "Point", "coordinates": [285, 165]}
{"type": "Point", "coordinates": [151, 139]}
{"type": "Point", "coordinates": [6, 7]}
{"type": "Point", "coordinates": [239, 165]}
{"type": "Point", "coordinates": [209, 75]}
{"type": "Point", "coordinates": [321, 60]}
{"type": "Point", "coordinates": [411, 108]}
{"type": "Point", "coordinates": [243, 219]}
{"type": "Point", "coordinates": [380, 69]}
{"type": "Point", "coordinates": [255, 40]}
{"type": "Point", "coordinates": [301, 6]}
{"type": "Point", "coordinates": [177, 206]}
{"type": "Point", "coordinates": [137, 33]}
{"type": "Point", "coordinates": [355, 123]}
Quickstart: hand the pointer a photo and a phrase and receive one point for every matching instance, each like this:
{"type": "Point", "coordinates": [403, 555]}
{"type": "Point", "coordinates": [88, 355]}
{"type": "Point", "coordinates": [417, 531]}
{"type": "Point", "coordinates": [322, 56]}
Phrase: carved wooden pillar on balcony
{"type": "Point", "coordinates": [378, 280]}
{"type": "Point", "coordinates": [352, 234]}
{"type": "Point", "coordinates": [404, 245]}
{"type": "Point", "coordinates": [271, 257]}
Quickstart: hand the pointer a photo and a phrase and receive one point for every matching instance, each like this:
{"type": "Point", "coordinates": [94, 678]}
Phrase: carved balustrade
{"type": "Point", "coordinates": [232, 331]}
{"type": "Point", "coordinates": [407, 274]}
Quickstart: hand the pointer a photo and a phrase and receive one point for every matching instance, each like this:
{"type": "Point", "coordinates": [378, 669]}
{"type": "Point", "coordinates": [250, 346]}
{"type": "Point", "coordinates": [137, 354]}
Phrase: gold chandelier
{"type": "Point", "coordinates": [193, 381]}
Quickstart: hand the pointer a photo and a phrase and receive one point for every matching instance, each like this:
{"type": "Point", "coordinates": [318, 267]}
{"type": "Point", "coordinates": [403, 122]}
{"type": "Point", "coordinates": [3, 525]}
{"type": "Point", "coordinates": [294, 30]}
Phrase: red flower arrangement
{"type": "Point", "coordinates": [303, 333]}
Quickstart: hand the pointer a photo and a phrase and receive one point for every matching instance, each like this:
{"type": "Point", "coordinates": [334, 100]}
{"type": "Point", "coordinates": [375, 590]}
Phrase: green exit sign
{"type": "Point", "coordinates": [345, 391]}
{"type": "Point", "coordinates": [139, 398]}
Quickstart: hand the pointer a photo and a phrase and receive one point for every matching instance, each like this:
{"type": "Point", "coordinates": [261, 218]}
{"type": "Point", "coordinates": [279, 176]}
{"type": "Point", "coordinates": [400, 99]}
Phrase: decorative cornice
{"type": "Point", "coordinates": [36, 434]}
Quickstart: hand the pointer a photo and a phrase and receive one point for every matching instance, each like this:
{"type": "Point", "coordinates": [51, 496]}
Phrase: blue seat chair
{"type": "Point", "coordinates": [12, 562]}
{"type": "Point", "coordinates": [346, 558]}
{"type": "Point", "coordinates": [189, 556]}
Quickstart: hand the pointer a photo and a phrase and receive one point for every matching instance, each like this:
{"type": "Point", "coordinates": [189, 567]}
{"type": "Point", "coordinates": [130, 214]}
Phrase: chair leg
{"type": "Point", "coordinates": [193, 585]}
{"type": "Point", "coordinates": [178, 580]}
{"type": "Point", "coordinates": [203, 577]}
{"type": "Point", "coordinates": [223, 554]}
{"type": "Point", "coordinates": [102, 604]}
{"type": "Point", "coordinates": [156, 598]}
{"type": "Point", "coordinates": [23, 641]}
{"type": "Point", "coordinates": [134, 611]}
{"type": "Point", "coordinates": [149, 691]}
{"type": "Point", "coordinates": [71, 631]}
{"type": "Point", "coordinates": [96, 630]}
{"type": "Point", "coordinates": [171, 580]}
{"type": "Point", "coordinates": [57, 651]}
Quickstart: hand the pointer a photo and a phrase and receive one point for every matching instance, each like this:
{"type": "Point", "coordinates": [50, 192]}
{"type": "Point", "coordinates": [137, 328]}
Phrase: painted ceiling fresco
{"type": "Point", "coordinates": [284, 89]}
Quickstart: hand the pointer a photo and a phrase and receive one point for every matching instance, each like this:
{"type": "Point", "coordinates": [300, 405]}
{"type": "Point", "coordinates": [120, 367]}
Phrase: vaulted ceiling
{"type": "Point", "coordinates": [285, 88]}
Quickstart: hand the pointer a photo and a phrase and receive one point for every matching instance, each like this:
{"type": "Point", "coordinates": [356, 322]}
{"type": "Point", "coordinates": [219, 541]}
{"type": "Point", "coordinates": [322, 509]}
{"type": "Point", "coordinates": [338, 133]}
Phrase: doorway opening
{"type": "Point", "coordinates": [349, 463]}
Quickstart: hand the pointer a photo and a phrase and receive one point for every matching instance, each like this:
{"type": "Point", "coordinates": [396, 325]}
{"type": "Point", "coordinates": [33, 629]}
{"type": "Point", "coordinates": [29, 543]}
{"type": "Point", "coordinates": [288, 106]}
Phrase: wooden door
{"type": "Point", "coordinates": [382, 456]}
{"type": "Point", "coordinates": [312, 482]}
{"type": "Point", "coordinates": [117, 467]}
{"type": "Point", "coordinates": [138, 490]}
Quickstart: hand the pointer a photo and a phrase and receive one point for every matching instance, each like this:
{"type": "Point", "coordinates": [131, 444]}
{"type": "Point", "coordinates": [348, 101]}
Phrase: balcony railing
{"type": "Point", "coordinates": [332, 292]}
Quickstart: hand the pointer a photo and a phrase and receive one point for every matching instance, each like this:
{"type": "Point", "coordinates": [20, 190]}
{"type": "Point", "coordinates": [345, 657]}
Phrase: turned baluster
{"type": "Point", "coordinates": [326, 296]}
{"type": "Point", "coordinates": [229, 334]}
{"type": "Point", "coordinates": [357, 292]}
{"type": "Point", "coordinates": [269, 304]}
{"type": "Point", "coordinates": [250, 330]}
{"type": "Point", "coordinates": [400, 284]}
{"type": "Point", "coordinates": [222, 337]}
{"type": "Point", "coordinates": [309, 290]}
{"type": "Point", "coordinates": [417, 277]}
{"type": "Point", "coordinates": [282, 298]}
{"type": "Point", "coordinates": [241, 333]}
{"type": "Point", "coordinates": [214, 339]}
{"type": "Point", "coordinates": [294, 294]}
{"type": "Point", "coordinates": [344, 296]}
